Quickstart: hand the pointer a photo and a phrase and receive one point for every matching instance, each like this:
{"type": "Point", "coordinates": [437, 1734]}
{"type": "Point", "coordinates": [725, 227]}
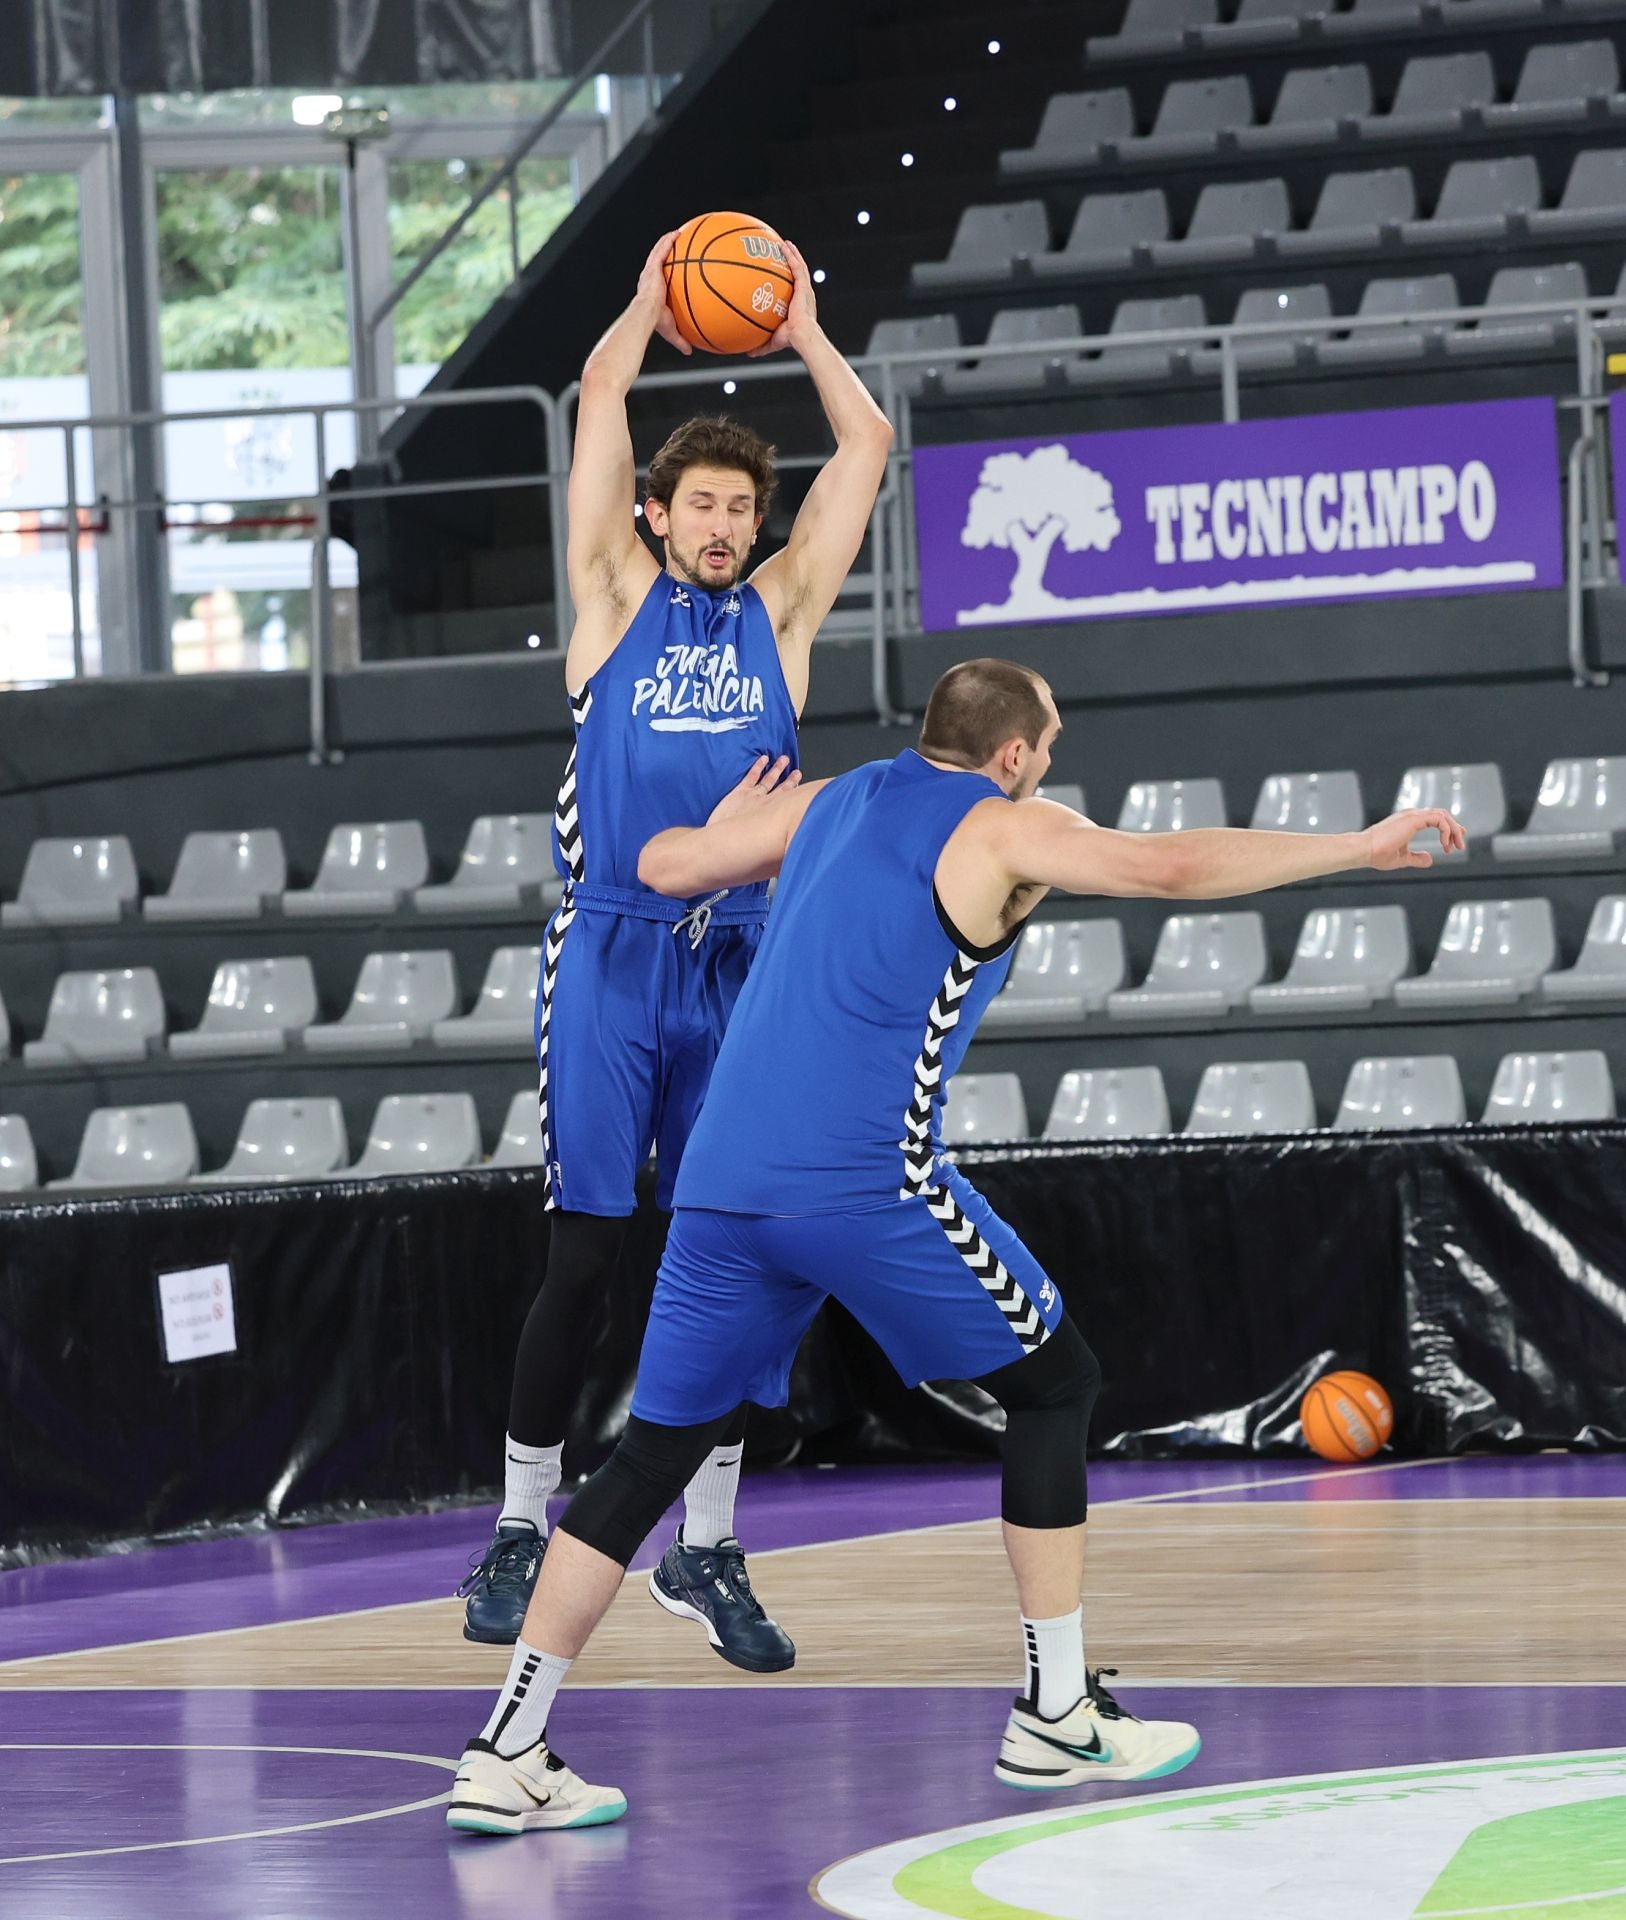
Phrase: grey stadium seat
{"type": "Point", "coordinates": [506, 857]}
{"type": "Point", "coordinates": [504, 1016]}
{"type": "Point", "coordinates": [1314, 102]}
{"type": "Point", "coordinates": [1394, 299]}
{"type": "Point", "coordinates": [1020, 326]}
{"type": "Point", "coordinates": [1491, 954]}
{"type": "Point", "coordinates": [1065, 793]}
{"type": "Point", "coordinates": [986, 242]}
{"type": "Point", "coordinates": [1347, 959]}
{"type": "Point", "coordinates": [397, 1000]}
{"type": "Point", "coordinates": [1592, 199]}
{"type": "Point", "coordinates": [1599, 972]}
{"type": "Point", "coordinates": [984, 1106]}
{"type": "Point", "coordinates": [420, 1133]}
{"type": "Point", "coordinates": [1203, 965]}
{"type": "Point", "coordinates": [100, 1017]}
{"type": "Point", "coordinates": [1558, 83]}
{"type": "Point", "coordinates": [1148, 362]}
{"type": "Point", "coordinates": [1255, 1096]}
{"type": "Point", "coordinates": [931, 333]}
{"type": "Point", "coordinates": [1579, 812]}
{"type": "Point", "coordinates": [1152, 26]}
{"type": "Point", "coordinates": [223, 876]}
{"type": "Point", "coordinates": [1367, 18]}
{"type": "Point", "coordinates": [1473, 794]}
{"type": "Point", "coordinates": [1229, 217]}
{"type": "Point", "coordinates": [74, 883]}
{"type": "Point", "coordinates": [1062, 970]}
{"type": "Point", "coordinates": [1193, 114]}
{"type": "Point", "coordinates": [1110, 231]}
{"type": "Point", "coordinates": [255, 1006]}
{"type": "Point", "coordinates": [135, 1147]}
{"type": "Point", "coordinates": [1074, 128]}
{"type": "Point", "coordinates": [367, 868]}
{"type": "Point", "coordinates": [1354, 211]}
{"type": "Point", "coordinates": [1435, 91]}
{"type": "Point", "coordinates": [1310, 803]}
{"type": "Point", "coordinates": [1524, 332]}
{"type": "Point", "coordinates": [282, 1141]}
{"type": "Point", "coordinates": [19, 1164]}
{"type": "Point", "coordinates": [1272, 305]}
{"type": "Point", "coordinates": [1107, 1103]}
{"type": "Point", "coordinates": [1172, 806]}
{"type": "Point", "coordinates": [520, 1142]}
{"type": "Point", "coordinates": [1411, 1090]}
{"type": "Point", "coordinates": [1476, 203]}
{"type": "Point", "coordinates": [1536, 1089]}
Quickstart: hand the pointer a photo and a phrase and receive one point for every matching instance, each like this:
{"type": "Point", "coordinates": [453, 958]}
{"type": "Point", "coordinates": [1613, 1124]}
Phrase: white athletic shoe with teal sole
{"type": "Point", "coordinates": [1095, 1740]}
{"type": "Point", "coordinates": [523, 1795]}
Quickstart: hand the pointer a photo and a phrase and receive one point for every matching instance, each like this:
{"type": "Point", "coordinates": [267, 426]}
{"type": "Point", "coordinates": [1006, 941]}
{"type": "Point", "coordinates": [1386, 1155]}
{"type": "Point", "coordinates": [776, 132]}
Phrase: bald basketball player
{"type": "Point", "coordinates": [816, 1169]}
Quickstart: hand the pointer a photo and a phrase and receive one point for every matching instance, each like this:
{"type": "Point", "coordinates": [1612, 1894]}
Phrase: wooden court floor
{"type": "Point", "coordinates": [1398, 1593]}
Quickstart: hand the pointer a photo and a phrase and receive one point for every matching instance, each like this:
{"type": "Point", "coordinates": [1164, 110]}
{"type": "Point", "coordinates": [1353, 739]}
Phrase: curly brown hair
{"type": "Point", "coordinates": [714, 441]}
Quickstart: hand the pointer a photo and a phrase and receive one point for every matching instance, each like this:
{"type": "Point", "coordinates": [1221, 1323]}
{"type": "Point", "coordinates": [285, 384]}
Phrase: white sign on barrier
{"type": "Point", "coordinates": [198, 1313]}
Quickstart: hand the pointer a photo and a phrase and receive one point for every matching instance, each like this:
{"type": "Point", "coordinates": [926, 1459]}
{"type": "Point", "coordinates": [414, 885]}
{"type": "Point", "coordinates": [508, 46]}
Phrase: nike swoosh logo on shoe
{"type": "Point", "coordinates": [1100, 1751]}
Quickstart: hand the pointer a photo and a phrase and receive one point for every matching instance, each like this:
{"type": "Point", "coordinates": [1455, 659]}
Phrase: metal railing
{"type": "Point", "coordinates": [890, 589]}
{"type": "Point", "coordinates": [641, 16]}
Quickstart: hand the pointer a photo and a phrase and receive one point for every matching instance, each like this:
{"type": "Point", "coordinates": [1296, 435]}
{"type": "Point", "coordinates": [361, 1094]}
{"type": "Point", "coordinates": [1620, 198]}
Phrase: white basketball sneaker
{"type": "Point", "coordinates": [533, 1790]}
{"type": "Point", "coordinates": [1095, 1740]}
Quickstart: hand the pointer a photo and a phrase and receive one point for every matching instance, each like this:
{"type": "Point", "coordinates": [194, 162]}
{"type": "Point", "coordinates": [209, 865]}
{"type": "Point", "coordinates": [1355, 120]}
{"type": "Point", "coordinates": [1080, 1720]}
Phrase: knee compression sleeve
{"type": "Point", "coordinates": [1048, 1397]}
{"type": "Point", "coordinates": [583, 1250]}
{"type": "Point", "coordinates": [650, 1467]}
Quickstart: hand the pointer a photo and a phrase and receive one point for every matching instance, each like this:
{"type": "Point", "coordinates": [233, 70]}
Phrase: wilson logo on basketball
{"type": "Point", "coordinates": [761, 247]}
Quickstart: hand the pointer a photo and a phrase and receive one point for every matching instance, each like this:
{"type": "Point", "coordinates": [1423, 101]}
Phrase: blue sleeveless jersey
{"type": "Point", "coordinates": [827, 1092]}
{"type": "Point", "coordinates": [672, 720]}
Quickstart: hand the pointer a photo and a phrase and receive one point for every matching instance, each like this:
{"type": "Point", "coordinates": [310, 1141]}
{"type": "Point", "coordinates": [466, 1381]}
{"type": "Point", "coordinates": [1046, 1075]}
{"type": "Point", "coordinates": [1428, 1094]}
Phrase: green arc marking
{"type": "Point", "coordinates": [943, 1882]}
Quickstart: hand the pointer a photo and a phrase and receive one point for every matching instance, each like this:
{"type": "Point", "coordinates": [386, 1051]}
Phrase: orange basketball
{"type": "Point", "coordinates": [728, 282]}
{"type": "Point", "coordinates": [1346, 1416]}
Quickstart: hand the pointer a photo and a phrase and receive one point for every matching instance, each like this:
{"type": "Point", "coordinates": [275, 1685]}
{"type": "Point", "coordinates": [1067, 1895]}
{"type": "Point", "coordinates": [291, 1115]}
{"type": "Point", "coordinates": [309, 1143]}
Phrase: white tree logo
{"type": "Point", "coordinates": [1027, 502]}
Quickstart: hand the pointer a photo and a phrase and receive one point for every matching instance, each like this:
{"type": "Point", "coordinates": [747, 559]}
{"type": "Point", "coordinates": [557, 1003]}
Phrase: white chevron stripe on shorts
{"type": "Point", "coordinates": [553, 942]}
{"type": "Point", "coordinates": [1021, 1315]}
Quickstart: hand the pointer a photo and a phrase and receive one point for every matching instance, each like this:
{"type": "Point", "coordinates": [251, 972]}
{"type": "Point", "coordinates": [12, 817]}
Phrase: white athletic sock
{"type": "Point", "coordinates": [520, 1717]}
{"type": "Point", "coordinates": [1055, 1662]}
{"type": "Point", "coordinates": [708, 1500]}
{"type": "Point", "coordinates": [530, 1476]}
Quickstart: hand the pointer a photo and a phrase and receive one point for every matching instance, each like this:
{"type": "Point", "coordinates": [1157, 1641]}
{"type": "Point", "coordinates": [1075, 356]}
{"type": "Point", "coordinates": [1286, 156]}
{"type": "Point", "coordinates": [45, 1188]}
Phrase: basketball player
{"type": "Point", "coordinates": [816, 1170]}
{"type": "Point", "coordinates": [685, 684]}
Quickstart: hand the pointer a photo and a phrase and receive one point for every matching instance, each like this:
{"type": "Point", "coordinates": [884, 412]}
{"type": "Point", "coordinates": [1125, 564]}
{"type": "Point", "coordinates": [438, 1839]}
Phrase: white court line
{"type": "Point", "coordinates": [219, 1839]}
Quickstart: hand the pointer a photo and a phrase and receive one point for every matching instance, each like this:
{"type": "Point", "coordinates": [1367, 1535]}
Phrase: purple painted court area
{"type": "Point", "coordinates": [737, 1799]}
{"type": "Point", "coordinates": [255, 1579]}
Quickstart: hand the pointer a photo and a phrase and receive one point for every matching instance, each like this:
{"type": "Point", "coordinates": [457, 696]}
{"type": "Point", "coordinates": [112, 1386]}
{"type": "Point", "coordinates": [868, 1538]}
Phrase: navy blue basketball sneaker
{"type": "Point", "coordinates": [499, 1585]}
{"type": "Point", "coordinates": [711, 1585]}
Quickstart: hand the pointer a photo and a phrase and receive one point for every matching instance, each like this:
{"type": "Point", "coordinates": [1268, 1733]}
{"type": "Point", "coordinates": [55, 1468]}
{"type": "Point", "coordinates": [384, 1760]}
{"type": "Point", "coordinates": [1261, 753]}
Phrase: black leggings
{"type": "Point", "coordinates": [583, 1252]}
{"type": "Point", "coordinates": [1047, 1397]}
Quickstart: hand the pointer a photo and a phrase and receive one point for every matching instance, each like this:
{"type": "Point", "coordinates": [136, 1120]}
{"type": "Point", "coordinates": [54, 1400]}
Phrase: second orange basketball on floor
{"type": "Point", "coordinates": [728, 282]}
{"type": "Point", "coordinates": [1346, 1416]}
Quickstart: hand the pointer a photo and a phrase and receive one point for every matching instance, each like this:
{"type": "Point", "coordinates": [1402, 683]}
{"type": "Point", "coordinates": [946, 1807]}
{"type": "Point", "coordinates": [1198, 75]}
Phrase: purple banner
{"type": "Point", "coordinates": [1333, 506]}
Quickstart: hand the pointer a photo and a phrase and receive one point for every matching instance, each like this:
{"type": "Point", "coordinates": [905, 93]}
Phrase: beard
{"type": "Point", "coordinates": [694, 567]}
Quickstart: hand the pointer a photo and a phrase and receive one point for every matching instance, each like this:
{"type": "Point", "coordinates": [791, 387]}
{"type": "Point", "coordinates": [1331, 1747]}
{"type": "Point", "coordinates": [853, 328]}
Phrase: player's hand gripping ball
{"type": "Point", "coordinates": [729, 282]}
{"type": "Point", "coordinates": [1346, 1416]}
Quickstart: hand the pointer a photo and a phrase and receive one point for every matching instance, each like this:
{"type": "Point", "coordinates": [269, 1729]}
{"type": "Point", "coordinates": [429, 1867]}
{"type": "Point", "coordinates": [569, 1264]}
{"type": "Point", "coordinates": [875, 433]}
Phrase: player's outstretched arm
{"type": "Point", "coordinates": [610, 568]}
{"type": "Point", "coordinates": [1047, 845]}
{"type": "Point", "coordinates": [744, 839]}
{"type": "Point", "coordinates": [800, 583]}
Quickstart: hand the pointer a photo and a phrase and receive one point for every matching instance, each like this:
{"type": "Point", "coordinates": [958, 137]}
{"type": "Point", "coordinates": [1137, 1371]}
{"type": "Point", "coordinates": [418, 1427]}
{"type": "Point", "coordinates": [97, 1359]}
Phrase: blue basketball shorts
{"type": "Point", "coordinates": [629, 1017]}
{"type": "Point", "coordinates": [942, 1284]}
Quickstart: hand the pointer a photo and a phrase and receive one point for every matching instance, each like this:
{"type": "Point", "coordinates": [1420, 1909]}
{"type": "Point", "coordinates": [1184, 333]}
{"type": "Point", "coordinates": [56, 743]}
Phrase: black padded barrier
{"type": "Point", "coordinates": [1480, 1274]}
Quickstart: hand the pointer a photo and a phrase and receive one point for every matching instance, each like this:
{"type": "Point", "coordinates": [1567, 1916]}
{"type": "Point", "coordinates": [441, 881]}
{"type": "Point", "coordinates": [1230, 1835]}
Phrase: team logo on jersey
{"type": "Point", "coordinates": [1047, 1294]}
{"type": "Point", "coordinates": [698, 689]}
{"type": "Point", "coordinates": [680, 598]}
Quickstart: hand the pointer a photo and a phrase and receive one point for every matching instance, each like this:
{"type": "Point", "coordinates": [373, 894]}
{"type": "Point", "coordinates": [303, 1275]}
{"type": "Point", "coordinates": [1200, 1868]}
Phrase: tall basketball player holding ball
{"type": "Point", "coordinates": [685, 682]}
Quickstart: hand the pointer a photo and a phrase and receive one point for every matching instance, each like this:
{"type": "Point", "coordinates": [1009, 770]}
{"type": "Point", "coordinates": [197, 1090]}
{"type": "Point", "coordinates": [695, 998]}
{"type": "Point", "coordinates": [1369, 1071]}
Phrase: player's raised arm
{"type": "Point", "coordinates": [744, 840]}
{"type": "Point", "coordinates": [1043, 844]}
{"type": "Point", "coordinates": [799, 585]}
{"type": "Point", "coordinates": [610, 568]}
